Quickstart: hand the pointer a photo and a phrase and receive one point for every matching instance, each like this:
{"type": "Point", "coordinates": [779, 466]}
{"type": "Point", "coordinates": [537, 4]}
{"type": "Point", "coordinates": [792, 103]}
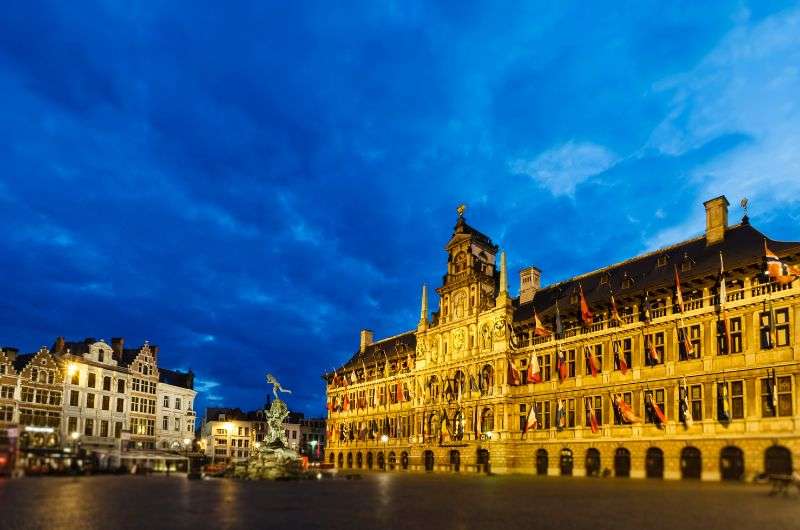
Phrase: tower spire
{"type": "Point", "coordinates": [503, 274]}
{"type": "Point", "coordinates": [423, 312]}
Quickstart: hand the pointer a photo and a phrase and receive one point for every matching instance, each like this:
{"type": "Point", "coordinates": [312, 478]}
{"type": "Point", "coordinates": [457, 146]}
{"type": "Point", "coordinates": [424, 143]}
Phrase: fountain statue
{"type": "Point", "coordinates": [272, 459]}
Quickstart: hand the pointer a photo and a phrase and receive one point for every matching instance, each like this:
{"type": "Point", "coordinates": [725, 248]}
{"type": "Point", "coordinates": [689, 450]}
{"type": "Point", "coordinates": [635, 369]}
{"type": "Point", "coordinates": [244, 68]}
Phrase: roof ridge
{"type": "Point", "coordinates": [392, 337]}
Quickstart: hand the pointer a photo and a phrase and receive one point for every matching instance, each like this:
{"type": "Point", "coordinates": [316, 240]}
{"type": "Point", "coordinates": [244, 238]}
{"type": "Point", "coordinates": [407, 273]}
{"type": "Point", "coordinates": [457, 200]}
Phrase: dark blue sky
{"type": "Point", "coordinates": [249, 187]}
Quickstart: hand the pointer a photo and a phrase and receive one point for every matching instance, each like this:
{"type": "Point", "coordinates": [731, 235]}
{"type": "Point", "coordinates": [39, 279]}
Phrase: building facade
{"type": "Point", "coordinates": [660, 366]}
{"type": "Point", "coordinates": [175, 409]}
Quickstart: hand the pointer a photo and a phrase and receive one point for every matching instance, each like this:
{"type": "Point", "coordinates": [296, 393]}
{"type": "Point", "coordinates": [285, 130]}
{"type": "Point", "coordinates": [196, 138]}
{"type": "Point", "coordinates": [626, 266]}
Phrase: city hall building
{"type": "Point", "coordinates": [679, 363]}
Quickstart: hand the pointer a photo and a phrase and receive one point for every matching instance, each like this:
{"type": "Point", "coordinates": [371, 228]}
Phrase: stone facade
{"type": "Point", "coordinates": [442, 397]}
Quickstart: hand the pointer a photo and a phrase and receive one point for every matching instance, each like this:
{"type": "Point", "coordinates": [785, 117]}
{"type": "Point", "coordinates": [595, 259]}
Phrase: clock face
{"type": "Point", "coordinates": [459, 304]}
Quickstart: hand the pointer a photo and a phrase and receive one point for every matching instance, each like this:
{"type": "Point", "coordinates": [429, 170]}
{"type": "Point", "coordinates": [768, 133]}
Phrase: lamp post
{"type": "Point", "coordinates": [313, 444]}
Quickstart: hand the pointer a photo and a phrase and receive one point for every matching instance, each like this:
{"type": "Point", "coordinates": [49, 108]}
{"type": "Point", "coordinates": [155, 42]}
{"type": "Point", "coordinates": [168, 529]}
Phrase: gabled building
{"type": "Point", "coordinates": [175, 396]}
{"type": "Point", "coordinates": [662, 365]}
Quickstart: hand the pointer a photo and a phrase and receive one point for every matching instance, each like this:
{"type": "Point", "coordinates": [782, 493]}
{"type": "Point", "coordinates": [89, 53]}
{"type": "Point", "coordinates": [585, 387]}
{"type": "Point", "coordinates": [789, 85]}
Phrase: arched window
{"type": "Point", "coordinates": [359, 460]}
{"type": "Point", "coordinates": [428, 457]}
{"type": "Point", "coordinates": [592, 462]}
{"type": "Point", "coordinates": [487, 420]}
{"type": "Point", "coordinates": [778, 461]}
{"type": "Point", "coordinates": [404, 460]}
{"type": "Point", "coordinates": [460, 384]}
{"type": "Point", "coordinates": [434, 425]}
{"type": "Point", "coordinates": [392, 460]}
{"type": "Point", "coordinates": [381, 462]}
{"type": "Point", "coordinates": [433, 388]}
{"type": "Point", "coordinates": [566, 462]}
{"type": "Point", "coordinates": [332, 458]}
{"type": "Point", "coordinates": [541, 462]}
{"type": "Point", "coordinates": [460, 263]}
{"type": "Point", "coordinates": [369, 460]}
{"type": "Point", "coordinates": [455, 461]}
{"type": "Point", "coordinates": [350, 460]}
{"type": "Point", "coordinates": [691, 463]}
{"type": "Point", "coordinates": [622, 462]}
{"type": "Point", "coordinates": [731, 463]}
{"type": "Point", "coordinates": [486, 379]}
{"type": "Point", "coordinates": [341, 460]}
{"type": "Point", "coordinates": [654, 463]}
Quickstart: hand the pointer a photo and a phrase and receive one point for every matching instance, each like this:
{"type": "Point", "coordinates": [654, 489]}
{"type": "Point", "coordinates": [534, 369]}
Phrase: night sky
{"type": "Point", "coordinates": [248, 187]}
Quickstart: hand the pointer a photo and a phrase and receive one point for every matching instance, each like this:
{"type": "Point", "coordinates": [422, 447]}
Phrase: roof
{"type": "Point", "coordinates": [463, 228]}
{"type": "Point", "coordinates": [391, 348]}
{"type": "Point", "coordinates": [22, 361]}
{"type": "Point", "coordinates": [176, 378]}
{"type": "Point", "coordinates": [742, 246]}
{"type": "Point", "coordinates": [213, 413]}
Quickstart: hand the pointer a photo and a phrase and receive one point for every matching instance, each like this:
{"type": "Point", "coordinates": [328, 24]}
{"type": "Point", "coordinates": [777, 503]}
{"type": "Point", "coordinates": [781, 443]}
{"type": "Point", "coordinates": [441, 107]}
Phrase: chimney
{"type": "Point", "coordinates": [366, 339]}
{"type": "Point", "coordinates": [530, 280]}
{"type": "Point", "coordinates": [59, 346]}
{"type": "Point", "coordinates": [716, 219]}
{"type": "Point", "coordinates": [118, 344]}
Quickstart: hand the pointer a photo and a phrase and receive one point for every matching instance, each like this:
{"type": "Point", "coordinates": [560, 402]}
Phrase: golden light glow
{"type": "Point", "coordinates": [71, 369]}
{"type": "Point", "coordinates": [228, 427]}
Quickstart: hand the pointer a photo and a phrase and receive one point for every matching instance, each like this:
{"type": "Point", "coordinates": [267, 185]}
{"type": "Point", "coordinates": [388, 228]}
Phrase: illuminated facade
{"type": "Point", "coordinates": [703, 388]}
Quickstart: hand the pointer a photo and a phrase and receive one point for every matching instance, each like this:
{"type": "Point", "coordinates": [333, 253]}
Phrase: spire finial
{"type": "Point", "coordinates": [503, 274]}
{"type": "Point", "coordinates": [423, 311]}
{"type": "Point", "coordinates": [460, 209]}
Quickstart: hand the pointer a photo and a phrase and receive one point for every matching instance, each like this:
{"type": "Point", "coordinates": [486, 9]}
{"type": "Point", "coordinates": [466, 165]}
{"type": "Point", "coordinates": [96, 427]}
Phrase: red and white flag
{"type": "Point", "coordinates": [614, 318]}
{"type": "Point", "coordinates": [538, 328]}
{"type": "Point", "coordinates": [659, 414]}
{"type": "Point", "coordinates": [777, 270]}
{"type": "Point", "coordinates": [586, 313]}
{"type": "Point", "coordinates": [594, 363]}
{"type": "Point", "coordinates": [514, 375]}
{"type": "Point", "coordinates": [622, 364]}
{"type": "Point", "coordinates": [561, 364]}
{"type": "Point", "coordinates": [531, 424]}
{"type": "Point", "coordinates": [678, 293]}
{"type": "Point", "coordinates": [592, 418]}
{"type": "Point", "coordinates": [652, 353]}
{"type": "Point", "coordinates": [534, 370]}
{"type": "Point", "coordinates": [625, 411]}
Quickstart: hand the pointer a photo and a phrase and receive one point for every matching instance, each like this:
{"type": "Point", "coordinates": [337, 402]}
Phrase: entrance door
{"type": "Point", "coordinates": [566, 462]}
{"type": "Point", "coordinates": [654, 463]}
{"type": "Point", "coordinates": [483, 461]}
{"type": "Point", "coordinates": [622, 462]}
{"type": "Point", "coordinates": [731, 463]}
{"type": "Point", "coordinates": [691, 463]}
{"type": "Point", "coordinates": [455, 461]}
{"type": "Point", "coordinates": [778, 461]}
{"type": "Point", "coordinates": [592, 462]}
{"type": "Point", "coordinates": [428, 460]}
{"type": "Point", "coordinates": [381, 462]}
{"type": "Point", "coordinates": [541, 462]}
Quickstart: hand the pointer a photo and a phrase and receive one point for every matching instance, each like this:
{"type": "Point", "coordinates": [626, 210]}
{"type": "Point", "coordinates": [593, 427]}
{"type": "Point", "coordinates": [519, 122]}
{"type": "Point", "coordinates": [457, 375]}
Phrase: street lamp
{"type": "Point", "coordinates": [313, 444]}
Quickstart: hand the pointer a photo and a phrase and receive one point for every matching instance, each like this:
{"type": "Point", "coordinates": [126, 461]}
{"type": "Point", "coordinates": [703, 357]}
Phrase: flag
{"type": "Point", "coordinates": [777, 270]}
{"type": "Point", "coordinates": [594, 364]}
{"type": "Point", "coordinates": [399, 397]}
{"type": "Point", "coordinates": [688, 347]}
{"type": "Point", "coordinates": [678, 293]}
{"type": "Point", "coordinates": [622, 364]}
{"type": "Point", "coordinates": [444, 431]}
{"type": "Point", "coordinates": [586, 313]}
{"type": "Point", "coordinates": [353, 379]}
{"type": "Point", "coordinates": [652, 353]}
{"type": "Point", "coordinates": [559, 328]}
{"type": "Point", "coordinates": [659, 414]}
{"type": "Point", "coordinates": [538, 328]}
{"type": "Point", "coordinates": [335, 381]}
{"type": "Point", "coordinates": [531, 424]}
{"type": "Point", "coordinates": [410, 361]}
{"type": "Point", "coordinates": [624, 410]}
{"type": "Point", "coordinates": [724, 403]}
{"type": "Point", "coordinates": [614, 318]}
{"type": "Point", "coordinates": [723, 311]}
{"type": "Point", "coordinates": [561, 364]}
{"type": "Point", "coordinates": [772, 392]}
{"type": "Point", "coordinates": [363, 370]}
{"type": "Point", "coordinates": [647, 313]}
{"type": "Point", "coordinates": [534, 370]}
{"type": "Point", "coordinates": [514, 375]}
{"type": "Point", "coordinates": [685, 409]}
{"type": "Point", "coordinates": [772, 330]}
{"type": "Point", "coordinates": [346, 404]}
{"type": "Point", "coordinates": [590, 415]}
{"type": "Point", "coordinates": [561, 415]}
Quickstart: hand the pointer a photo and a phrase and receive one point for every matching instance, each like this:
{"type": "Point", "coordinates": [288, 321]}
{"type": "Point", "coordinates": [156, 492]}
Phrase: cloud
{"type": "Point", "coordinates": [561, 169]}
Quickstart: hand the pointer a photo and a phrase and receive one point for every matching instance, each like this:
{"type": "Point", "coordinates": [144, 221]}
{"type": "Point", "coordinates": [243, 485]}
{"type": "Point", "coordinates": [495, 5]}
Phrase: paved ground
{"type": "Point", "coordinates": [391, 501]}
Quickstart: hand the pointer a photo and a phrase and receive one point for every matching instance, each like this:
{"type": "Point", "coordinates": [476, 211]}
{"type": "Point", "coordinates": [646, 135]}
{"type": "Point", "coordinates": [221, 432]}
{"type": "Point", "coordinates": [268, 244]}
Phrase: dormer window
{"type": "Point", "coordinates": [604, 279]}
{"type": "Point", "coordinates": [686, 264]}
{"type": "Point", "coordinates": [101, 355]}
{"type": "Point", "coordinates": [627, 282]}
{"type": "Point", "coordinates": [574, 298]}
{"type": "Point", "coordinates": [662, 261]}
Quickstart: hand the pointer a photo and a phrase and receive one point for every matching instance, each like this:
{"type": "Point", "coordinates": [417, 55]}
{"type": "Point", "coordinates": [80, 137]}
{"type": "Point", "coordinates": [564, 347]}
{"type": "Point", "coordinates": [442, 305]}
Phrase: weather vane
{"type": "Point", "coordinates": [743, 203]}
{"type": "Point", "coordinates": [461, 209]}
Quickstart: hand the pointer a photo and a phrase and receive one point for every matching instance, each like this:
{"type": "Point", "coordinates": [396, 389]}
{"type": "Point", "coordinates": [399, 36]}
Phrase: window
{"type": "Point", "coordinates": [544, 365]}
{"type": "Point", "coordinates": [177, 424]}
{"type": "Point", "coordinates": [598, 353]}
{"type": "Point", "coordinates": [657, 395]}
{"type": "Point", "coordinates": [88, 427]}
{"type": "Point", "coordinates": [118, 429]}
{"type": "Point", "coordinates": [121, 386]}
{"type": "Point", "coordinates": [654, 342]}
{"type": "Point", "coordinates": [101, 357]}
{"type": "Point", "coordinates": [523, 416]}
{"type": "Point", "coordinates": [784, 397]}
{"type": "Point", "coordinates": [74, 398]}
{"type": "Point", "coordinates": [6, 412]}
{"type": "Point", "coordinates": [178, 403]}
{"type": "Point", "coordinates": [92, 380]}
{"type": "Point", "coordinates": [696, 399]}
{"type": "Point", "coordinates": [627, 397]}
{"type": "Point", "coordinates": [134, 404]}
{"type": "Point", "coordinates": [570, 355]}
{"type": "Point", "coordinates": [7, 392]}
{"type": "Point", "coordinates": [107, 383]}
{"type": "Point", "coordinates": [570, 404]}
{"type": "Point", "coordinates": [76, 378]}
{"type": "Point", "coordinates": [692, 333]}
{"type": "Point", "coordinates": [89, 401]}
{"type": "Point", "coordinates": [623, 349]}
{"type": "Point", "coordinates": [104, 428]}
{"type": "Point", "coordinates": [34, 375]}
{"type": "Point", "coordinates": [2, 368]}
{"type": "Point", "coordinates": [164, 423]}
{"type": "Point", "coordinates": [106, 403]}
{"type": "Point", "coordinates": [166, 402]}
{"type": "Point", "coordinates": [120, 405]}
{"type": "Point", "coordinates": [735, 397]}
{"type": "Point", "coordinates": [72, 424]}
{"type": "Point", "coordinates": [55, 398]}
{"type": "Point", "coordinates": [596, 404]}
{"type": "Point", "coordinates": [735, 332]}
{"type": "Point", "coordinates": [27, 394]}
{"type": "Point", "coordinates": [775, 332]}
